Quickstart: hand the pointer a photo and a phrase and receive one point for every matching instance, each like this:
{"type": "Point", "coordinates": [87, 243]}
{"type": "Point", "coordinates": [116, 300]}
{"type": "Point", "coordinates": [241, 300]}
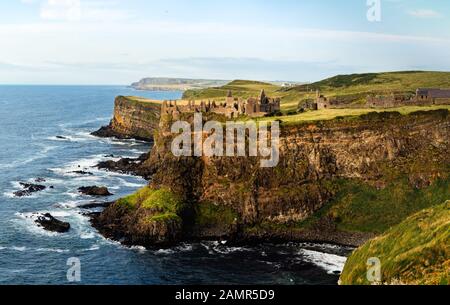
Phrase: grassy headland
{"type": "Point", "coordinates": [414, 252]}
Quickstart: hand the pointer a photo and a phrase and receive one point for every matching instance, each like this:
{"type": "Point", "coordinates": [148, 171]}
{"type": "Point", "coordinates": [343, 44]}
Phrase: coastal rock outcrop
{"type": "Point", "coordinates": [94, 191]}
{"type": "Point", "coordinates": [134, 118]}
{"type": "Point", "coordinates": [234, 198]}
{"type": "Point", "coordinates": [29, 189]}
{"type": "Point", "coordinates": [132, 166]}
{"type": "Point", "coordinates": [50, 223]}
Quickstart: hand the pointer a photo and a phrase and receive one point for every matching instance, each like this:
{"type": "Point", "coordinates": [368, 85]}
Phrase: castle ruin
{"type": "Point", "coordinates": [231, 108]}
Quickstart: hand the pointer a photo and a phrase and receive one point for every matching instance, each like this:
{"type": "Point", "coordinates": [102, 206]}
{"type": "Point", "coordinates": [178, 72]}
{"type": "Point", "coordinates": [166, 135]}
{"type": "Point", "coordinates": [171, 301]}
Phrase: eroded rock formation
{"type": "Point", "coordinates": [234, 198]}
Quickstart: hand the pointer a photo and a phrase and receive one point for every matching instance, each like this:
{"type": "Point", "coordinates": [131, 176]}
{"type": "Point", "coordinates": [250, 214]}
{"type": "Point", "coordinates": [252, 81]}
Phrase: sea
{"type": "Point", "coordinates": [45, 134]}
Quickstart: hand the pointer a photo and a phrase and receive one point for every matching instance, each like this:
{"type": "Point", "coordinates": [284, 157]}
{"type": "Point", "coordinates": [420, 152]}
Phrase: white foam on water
{"type": "Point", "coordinates": [140, 249]}
{"type": "Point", "coordinates": [87, 235]}
{"type": "Point", "coordinates": [52, 250]}
{"type": "Point", "coordinates": [71, 204]}
{"type": "Point", "coordinates": [28, 221]}
{"type": "Point", "coordinates": [92, 248]}
{"type": "Point", "coordinates": [125, 183]}
{"type": "Point", "coordinates": [185, 248]}
{"type": "Point", "coordinates": [330, 262]}
{"type": "Point", "coordinates": [20, 249]}
{"type": "Point", "coordinates": [165, 251]}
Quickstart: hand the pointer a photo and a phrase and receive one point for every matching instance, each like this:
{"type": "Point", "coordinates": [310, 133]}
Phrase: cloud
{"type": "Point", "coordinates": [424, 13]}
{"type": "Point", "coordinates": [77, 10]}
{"type": "Point", "coordinates": [67, 10]}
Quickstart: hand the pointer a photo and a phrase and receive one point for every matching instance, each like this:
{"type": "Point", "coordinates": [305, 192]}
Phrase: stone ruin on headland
{"type": "Point", "coordinates": [231, 108]}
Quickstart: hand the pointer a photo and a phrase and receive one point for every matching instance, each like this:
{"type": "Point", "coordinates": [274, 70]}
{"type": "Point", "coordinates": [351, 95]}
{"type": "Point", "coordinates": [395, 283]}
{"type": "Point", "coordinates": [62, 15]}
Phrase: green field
{"type": "Point", "coordinates": [330, 114]}
{"type": "Point", "coordinates": [351, 89]}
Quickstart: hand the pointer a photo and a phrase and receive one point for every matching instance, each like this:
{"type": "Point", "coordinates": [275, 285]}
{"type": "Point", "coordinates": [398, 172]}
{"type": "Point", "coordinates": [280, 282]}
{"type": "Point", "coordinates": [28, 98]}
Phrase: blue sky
{"type": "Point", "coordinates": [121, 41]}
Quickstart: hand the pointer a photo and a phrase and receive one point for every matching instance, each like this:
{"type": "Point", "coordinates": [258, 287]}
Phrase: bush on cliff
{"type": "Point", "coordinates": [414, 252]}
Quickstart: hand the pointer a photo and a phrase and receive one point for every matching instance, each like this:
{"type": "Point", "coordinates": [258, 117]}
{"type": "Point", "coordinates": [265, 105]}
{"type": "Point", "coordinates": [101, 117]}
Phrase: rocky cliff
{"type": "Point", "coordinates": [339, 181]}
{"type": "Point", "coordinates": [135, 118]}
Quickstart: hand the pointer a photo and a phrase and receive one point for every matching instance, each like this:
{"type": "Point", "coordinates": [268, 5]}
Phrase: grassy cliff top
{"type": "Point", "coordinates": [414, 252]}
{"type": "Point", "coordinates": [137, 99]}
{"type": "Point", "coordinates": [331, 114]}
{"type": "Point", "coordinates": [352, 88]}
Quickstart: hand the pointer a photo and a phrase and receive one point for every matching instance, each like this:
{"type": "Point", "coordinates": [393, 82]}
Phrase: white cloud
{"type": "Point", "coordinates": [67, 10]}
{"type": "Point", "coordinates": [78, 10]}
{"type": "Point", "coordinates": [424, 13]}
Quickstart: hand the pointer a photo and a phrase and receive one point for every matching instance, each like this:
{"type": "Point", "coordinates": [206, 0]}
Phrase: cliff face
{"type": "Point", "coordinates": [235, 198]}
{"type": "Point", "coordinates": [133, 118]}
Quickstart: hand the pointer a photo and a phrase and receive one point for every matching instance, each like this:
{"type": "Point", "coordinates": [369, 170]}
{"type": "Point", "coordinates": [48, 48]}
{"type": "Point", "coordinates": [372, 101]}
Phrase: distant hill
{"type": "Point", "coordinates": [380, 82]}
{"type": "Point", "coordinates": [414, 252]}
{"type": "Point", "coordinates": [182, 84]}
{"type": "Point", "coordinates": [239, 88]}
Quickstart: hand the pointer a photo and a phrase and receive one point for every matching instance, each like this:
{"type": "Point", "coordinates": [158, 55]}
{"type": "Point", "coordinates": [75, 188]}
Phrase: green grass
{"type": "Point", "coordinates": [211, 215]}
{"type": "Point", "coordinates": [165, 217]}
{"type": "Point", "coordinates": [162, 200]}
{"type": "Point", "coordinates": [362, 208]}
{"type": "Point", "coordinates": [141, 100]}
{"type": "Point", "coordinates": [331, 114]}
{"type": "Point", "coordinates": [416, 251]}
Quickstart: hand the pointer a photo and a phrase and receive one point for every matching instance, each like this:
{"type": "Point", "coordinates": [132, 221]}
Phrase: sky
{"type": "Point", "coordinates": [122, 41]}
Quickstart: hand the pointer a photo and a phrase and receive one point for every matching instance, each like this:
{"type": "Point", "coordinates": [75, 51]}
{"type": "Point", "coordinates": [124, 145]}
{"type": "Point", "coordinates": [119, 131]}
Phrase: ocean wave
{"type": "Point", "coordinates": [92, 248]}
{"type": "Point", "coordinates": [24, 161]}
{"type": "Point", "coordinates": [87, 235]}
{"type": "Point", "coordinates": [52, 250]}
{"type": "Point", "coordinates": [331, 263]}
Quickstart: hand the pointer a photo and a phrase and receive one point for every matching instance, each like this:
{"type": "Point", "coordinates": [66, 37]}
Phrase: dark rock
{"type": "Point", "coordinates": [82, 173]}
{"type": "Point", "coordinates": [61, 138]}
{"type": "Point", "coordinates": [94, 191]}
{"type": "Point", "coordinates": [105, 132]}
{"type": "Point", "coordinates": [39, 180]}
{"type": "Point", "coordinates": [29, 189]}
{"type": "Point", "coordinates": [50, 223]}
{"type": "Point", "coordinates": [94, 205]}
{"type": "Point", "coordinates": [133, 166]}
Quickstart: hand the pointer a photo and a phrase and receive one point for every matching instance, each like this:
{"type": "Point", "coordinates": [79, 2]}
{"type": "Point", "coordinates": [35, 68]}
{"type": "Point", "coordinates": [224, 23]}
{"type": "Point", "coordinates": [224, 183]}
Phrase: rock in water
{"type": "Point", "coordinates": [50, 223]}
{"type": "Point", "coordinates": [82, 173]}
{"type": "Point", "coordinates": [94, 191]}
{"type": "Point", "coordinates": [29, 189]}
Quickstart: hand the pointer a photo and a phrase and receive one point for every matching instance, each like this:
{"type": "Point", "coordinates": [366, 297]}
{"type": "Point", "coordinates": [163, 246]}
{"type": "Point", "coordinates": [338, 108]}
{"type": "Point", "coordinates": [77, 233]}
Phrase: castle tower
{"type": "Point", "coordinates": [262, 96]}
{"type": "Point", "coordinates": [229, 101]}
{"type": "Point", "coordinates": [203, 106]}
